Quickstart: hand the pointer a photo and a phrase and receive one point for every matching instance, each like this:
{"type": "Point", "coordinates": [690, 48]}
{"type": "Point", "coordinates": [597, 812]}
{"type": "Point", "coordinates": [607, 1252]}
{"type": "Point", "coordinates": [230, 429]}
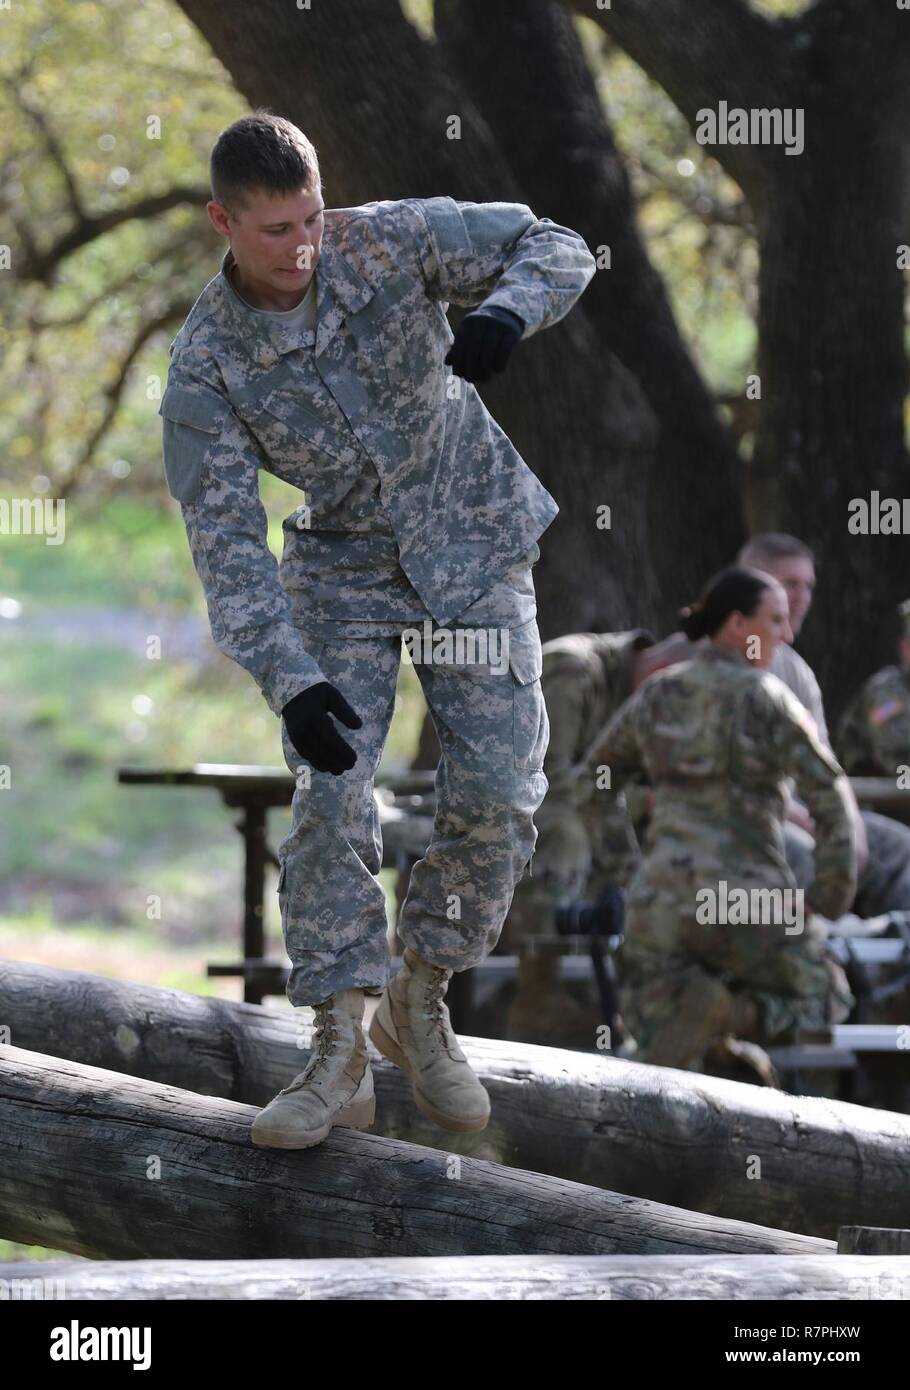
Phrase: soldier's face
{"type": "Point", "coordinates": [275, 240]}
{"type": "Point", "coordinates": [770, 623]}
{"type": "Point", "coordinates": [797, 576]}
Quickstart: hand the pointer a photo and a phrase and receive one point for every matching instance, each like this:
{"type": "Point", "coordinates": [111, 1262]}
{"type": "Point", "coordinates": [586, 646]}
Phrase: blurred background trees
{"type": "Point", "coordinates": [717, 265]}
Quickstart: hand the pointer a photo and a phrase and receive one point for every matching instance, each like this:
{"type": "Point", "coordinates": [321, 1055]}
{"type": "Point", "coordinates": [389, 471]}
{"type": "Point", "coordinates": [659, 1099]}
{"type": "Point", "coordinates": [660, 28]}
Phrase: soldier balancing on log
{"type": "Point", "coordinates": [322, 353]}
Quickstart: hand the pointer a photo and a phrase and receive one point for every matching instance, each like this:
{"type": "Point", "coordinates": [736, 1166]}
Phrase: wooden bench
{"type": "Point", "coordinates": [837, 1047]}
{"type": "Point", "coordinates": [840, 1048]}
{"type": "Point", "coordinates": [406, 809]}
{"type": "Point", "coordinates": [880, 794]}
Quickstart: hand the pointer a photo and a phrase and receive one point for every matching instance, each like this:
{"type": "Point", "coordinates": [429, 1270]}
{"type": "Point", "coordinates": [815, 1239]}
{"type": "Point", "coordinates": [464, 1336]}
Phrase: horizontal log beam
{"type": "Point", "coordinates": [107, 1165]}
{"type": "Point", "coordinates": [623, 1278]}
{"type": "Point", "coordinates": [744, 1152]}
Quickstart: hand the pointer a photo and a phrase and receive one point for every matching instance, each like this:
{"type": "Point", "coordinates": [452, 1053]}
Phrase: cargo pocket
{"type": "Point", "coordinates": [530, 725]}
{"type": "Point", "coordinates": [192, 423]}
{"type": "Point", "coordinates": [283, 897]}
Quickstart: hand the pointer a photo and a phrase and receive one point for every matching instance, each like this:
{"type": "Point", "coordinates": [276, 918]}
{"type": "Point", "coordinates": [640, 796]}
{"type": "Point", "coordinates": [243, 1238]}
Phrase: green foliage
{"type": "Point", "coordinates": [102, 77]}
{"type": "Point", "coordinates": [166, 83]}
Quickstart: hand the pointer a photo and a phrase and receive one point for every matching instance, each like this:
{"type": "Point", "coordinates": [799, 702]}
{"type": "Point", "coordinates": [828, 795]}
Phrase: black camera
{"type": "Point", "coordinates": [602, 917]}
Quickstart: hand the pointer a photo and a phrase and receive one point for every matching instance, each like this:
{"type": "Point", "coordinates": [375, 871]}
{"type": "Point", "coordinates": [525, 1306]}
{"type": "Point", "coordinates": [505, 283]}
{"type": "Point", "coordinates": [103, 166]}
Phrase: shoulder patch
{"type": "Point", "coordinates": [880, 714]}
{"type": "Point", "coordinates": [192, 422]}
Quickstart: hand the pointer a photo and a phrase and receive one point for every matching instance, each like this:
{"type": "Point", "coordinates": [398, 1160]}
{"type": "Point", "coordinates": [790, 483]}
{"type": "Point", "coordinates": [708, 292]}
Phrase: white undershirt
{"type": "Point", "coordinates": [303, 313]}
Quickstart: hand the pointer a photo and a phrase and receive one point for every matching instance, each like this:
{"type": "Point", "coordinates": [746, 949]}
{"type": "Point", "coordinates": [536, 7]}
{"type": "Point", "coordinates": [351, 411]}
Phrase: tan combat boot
{"type": "Point", "coordinates": [543, 1011]}
{"type": "Point", "coordinates": [411, 1027]}
{"type": "Point", "coordinates": [335, 1088]}
{"type": "Point", "coordinates": [704, 1010]}
{"type": "Point", "coordinates": [737, 1060]}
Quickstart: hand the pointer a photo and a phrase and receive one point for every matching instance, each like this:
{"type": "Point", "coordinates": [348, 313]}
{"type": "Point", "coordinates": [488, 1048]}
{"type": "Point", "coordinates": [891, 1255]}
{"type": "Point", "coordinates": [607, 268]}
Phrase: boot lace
{"type": "Point", "coordinates": [436, 1009]}
{"type": "Point", "coordinates": [324, 1036]}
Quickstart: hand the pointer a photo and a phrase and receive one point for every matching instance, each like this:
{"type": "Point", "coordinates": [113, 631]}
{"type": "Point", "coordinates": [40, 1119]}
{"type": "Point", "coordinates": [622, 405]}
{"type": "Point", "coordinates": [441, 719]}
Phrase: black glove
{"type": "Point", "coordinates": [483, 342]}
{"type": "Point", "coordinates": [312, 732]}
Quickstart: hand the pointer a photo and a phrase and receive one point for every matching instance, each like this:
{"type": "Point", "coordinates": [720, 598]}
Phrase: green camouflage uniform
{"type": "Point", "coordinates": [580, 850]}
{"type": "Point", "coordinates": [874, 735]}
{"type": "Point", "coordinates": [716, 737]}
{"type": "Point", "coordinates": [418, 512]}
{"type": "Point", "coordinates": [884, 882]}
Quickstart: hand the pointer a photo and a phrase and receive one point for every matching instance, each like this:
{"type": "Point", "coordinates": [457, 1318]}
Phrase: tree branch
{"type": "Point", "coordinates": [702, 52]}
{"type": "Point", "coordinates": [166, 256]}
{"type": "Point", "coordinates": [16, 85]}
{"type": "Point", "coordinates": [113, 393]}
{"type": "Point", "coordinates": [41, 266]}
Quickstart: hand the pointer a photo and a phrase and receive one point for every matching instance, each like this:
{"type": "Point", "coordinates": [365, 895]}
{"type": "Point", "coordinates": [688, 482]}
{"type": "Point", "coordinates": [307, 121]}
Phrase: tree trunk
{"type": "Point", "coordinates": [831, 351]}
{"type": "Point", "coordinates": [693, 1141]}
{"type": "Point", "coordinates": [106, 1165]}
{"type": "Point", "coordinates": [833, 378]}
{"type": "Point", "coordinates": [683, 475]}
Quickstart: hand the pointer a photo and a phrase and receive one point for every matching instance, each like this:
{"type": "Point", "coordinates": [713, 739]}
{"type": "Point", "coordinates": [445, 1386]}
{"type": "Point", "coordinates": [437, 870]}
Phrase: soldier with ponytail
{"type": "Point", "coordinates": [717, 736]}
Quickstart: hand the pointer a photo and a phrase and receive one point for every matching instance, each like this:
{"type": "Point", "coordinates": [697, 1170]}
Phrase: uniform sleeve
{"type": "Point", "coordinates": [888, 728]}
{"type": "Point", "coordinates": [212, 463]}
{"type": "Point", "coordinates": [564, 695]}
{"type": "Point", "coordinates": [875, 733]}
{"type": "Point", "coordinates": [619, 746]}
{"type": "Point", "coordinates": [816, 705]}
{"type": "Point", "coordinates": [799, 678]}
{"type": "Point", "coordinates": [852, 743]}
{"type": "Point", "coordinates": [824, 788]}
{"type": "Point", "coordinates": [501, 254]}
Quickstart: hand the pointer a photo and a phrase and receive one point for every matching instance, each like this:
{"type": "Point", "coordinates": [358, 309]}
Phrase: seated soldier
{"type": "Point", "coordinates": [874, 735]}
{"type": "Point", "coordinates": [717, 736]}
{"type": "Point", "coordinates": [583, 853]}
{"type": "Point", "coordinates": [884, 860]}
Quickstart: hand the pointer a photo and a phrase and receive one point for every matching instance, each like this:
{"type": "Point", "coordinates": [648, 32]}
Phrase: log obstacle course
{"type": "Point", "coordinates": [735, 1151]}
{"type": "Point", "coordinates": [501, 1278]}
{"type": "Point", "coordinates": [113, 1166]}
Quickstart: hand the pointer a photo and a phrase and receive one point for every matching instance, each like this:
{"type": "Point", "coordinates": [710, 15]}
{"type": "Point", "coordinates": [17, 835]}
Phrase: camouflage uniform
{"type": "Point", "coordinates": [717, 737]}
{"type": "Point", "coordinates": [874, 734]}
{"type": "Point", "coordinates": [417, 510]}
{"type": "Point", "coordinates": [586, 849]}
{"type": "Point", "coordinates": [884, 882]}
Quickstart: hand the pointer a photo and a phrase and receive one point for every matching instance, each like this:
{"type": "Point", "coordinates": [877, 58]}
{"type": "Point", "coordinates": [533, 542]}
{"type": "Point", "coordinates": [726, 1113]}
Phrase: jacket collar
{"type": "Point", "coordinates": [340, 291]}
{"type": "Point", "coordinates": [714, 651]}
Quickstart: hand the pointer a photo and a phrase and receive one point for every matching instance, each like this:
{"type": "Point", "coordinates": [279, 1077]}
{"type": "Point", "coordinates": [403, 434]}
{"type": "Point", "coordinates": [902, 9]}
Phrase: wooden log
{"type": "Point", "coordinates": [502, 1278]}
{"type": "Point", "coordinates": [795, 1163]}
{"type": "Point", "coordinates": [873, 1240]}
{"type": "Point", "coordinates": [107, 1165]}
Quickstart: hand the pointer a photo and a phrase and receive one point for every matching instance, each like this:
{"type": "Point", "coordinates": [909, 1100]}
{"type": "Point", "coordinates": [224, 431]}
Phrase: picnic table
{"type": "Point", "coordinates": [405, 804]}
{"type": "Point", "coordinates": [882, 795]}
{"type": "Point", "coordinates": [406, 807]}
